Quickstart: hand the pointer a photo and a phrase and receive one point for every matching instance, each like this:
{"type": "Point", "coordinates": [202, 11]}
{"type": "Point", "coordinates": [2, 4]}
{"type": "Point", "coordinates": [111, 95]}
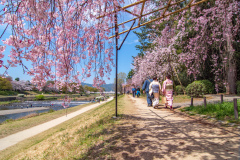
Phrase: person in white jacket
{"type": "Point", "coordinates": [155, 89]}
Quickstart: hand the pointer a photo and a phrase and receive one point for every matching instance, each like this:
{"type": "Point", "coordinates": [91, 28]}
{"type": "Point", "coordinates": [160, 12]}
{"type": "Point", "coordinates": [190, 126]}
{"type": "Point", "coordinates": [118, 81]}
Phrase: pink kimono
{"type": "Point", "coordinates": [167, 90]}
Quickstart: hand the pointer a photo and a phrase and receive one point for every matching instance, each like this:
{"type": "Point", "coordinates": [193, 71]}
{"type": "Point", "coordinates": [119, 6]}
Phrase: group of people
{"type": "Point", "coordinates": [153, 90]}
{"type": "Point", "coordinates": [136, 91]}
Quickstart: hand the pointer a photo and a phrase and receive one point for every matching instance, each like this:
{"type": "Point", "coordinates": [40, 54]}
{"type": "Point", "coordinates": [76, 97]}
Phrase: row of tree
{"type": "Point", "coordinates": [202, 42]}
{"type": "Point", "coordinates": [7, 84]}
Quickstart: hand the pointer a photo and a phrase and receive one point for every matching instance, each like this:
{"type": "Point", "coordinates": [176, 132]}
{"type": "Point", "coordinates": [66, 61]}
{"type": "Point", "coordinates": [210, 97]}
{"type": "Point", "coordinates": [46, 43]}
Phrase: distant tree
{"type": "Point", "coordinates": [49, 87]}
{"type": "Point", "coordinates": [21, 86]}
{"type": "Point", "coordinates": [143, 39]}
{"type": "Point", "coordinates": [17, 79]}
{"type": "Point", "coordinates": [5, 84]}
{"type": "Point", "coordinates": [121, 80]}
{"type": "Point", "coordinates": [103, 89]}
{"type": "Point", "coordinates": [28, 82]}
{"type": "Point", "coordinates": [91, 89]}
{"type": "Point", "coordinates": [130, 74]}
{"type": "Point", "coordinates": [81, 89]}
{"type": "Point", "coordinates": [9, 78]}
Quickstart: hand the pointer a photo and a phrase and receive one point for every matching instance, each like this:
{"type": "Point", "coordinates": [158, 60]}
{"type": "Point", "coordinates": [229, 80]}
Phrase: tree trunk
{"type": "Point", "coordinates": [231, 78]}
{"type": "Point", "coordinates": [232, 69]}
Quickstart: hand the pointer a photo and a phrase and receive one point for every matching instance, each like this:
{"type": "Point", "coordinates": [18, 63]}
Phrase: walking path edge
{"type": "Point", "coordinates": [22, 135]}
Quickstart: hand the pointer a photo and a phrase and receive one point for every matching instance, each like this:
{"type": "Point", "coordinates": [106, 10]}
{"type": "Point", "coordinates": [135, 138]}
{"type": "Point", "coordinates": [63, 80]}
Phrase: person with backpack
{"type": "Point", "coordinates": [167, 90]}
{"type": "Point", "coordinates": [134, 91]}
{"type": "Point", "coordinates": [138, 92]}
{"type": "Point", "coordinates": [145, 89]}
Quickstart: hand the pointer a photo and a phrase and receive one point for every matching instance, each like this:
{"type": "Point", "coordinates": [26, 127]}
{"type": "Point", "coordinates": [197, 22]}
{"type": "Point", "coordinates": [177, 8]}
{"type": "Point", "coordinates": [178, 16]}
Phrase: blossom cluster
{"type": "Point", "coordinates": [64, 40]}
{"type": "Point", "coordinates": [207, 32]}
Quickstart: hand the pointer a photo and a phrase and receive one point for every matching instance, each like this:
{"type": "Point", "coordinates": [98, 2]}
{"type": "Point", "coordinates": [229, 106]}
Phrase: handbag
{"type": "Point", "coordinates": [164, 100]}
{"type": "Point", "coordinates": [151, 93]}
{"type": "Point", "coordinates": [152, 96]}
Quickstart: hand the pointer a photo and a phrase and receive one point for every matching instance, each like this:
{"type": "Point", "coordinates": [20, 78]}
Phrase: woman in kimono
{"type": "Point", "coordinates": [167, 90]}
{"type": "Point", "coordinates": [155, 89]}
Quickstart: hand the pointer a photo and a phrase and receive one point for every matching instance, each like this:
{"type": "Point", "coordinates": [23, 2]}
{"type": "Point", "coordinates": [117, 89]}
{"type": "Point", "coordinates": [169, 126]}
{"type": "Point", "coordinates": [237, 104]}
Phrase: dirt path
{"type": "Point", "coordinates": [148, 133]}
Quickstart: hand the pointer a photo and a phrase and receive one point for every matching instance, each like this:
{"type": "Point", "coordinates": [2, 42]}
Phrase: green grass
{"type": "Point", "coordinates": [8, 93]}
{"type": "Point", "coordinates": [12, 126]}
{"type": "Point", "coordinates": [220, 111]}
{"type": "Point", "coordinates": [72, 139]}
{"type": "Point", "coordinates": [8, 102]}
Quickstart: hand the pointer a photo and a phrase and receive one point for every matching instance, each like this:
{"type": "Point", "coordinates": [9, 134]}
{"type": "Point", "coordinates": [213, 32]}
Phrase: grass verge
{"type": "Point", "coordinates": [8, 102]}
{"type": "Point", "coordinates": [13, 126]}
{"type": "Point", "coordinates": [71, 139]}
{"type": "Point", "coordinates": [221, 111]}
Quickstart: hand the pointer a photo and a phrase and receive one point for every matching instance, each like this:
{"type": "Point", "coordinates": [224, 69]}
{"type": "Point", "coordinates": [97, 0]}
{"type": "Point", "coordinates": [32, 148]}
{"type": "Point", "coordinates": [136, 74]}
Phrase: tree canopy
{"type": "Point", "coordinates": [203, 40]}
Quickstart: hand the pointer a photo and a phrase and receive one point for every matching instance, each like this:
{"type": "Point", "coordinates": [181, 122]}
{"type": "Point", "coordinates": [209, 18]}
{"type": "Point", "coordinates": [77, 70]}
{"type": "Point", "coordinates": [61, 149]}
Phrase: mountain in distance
{"type": "Point", "coordinates": [107, 87]}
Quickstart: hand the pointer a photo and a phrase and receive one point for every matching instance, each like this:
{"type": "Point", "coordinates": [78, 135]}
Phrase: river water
{"type": "Point", "coordinates": [44, 106]}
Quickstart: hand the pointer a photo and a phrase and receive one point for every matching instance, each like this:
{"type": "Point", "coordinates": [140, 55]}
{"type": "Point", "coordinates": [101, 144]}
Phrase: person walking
{"type": "Point", "coordinates": [138, 91]}
{"type": "Point", "coordinates": [145, 89]}
{"type": "Point", "coordinates": [167, 90]}
{"type": "Point", "coordinates": [134, 91]}
{"type": "Point", "coordinates": [155, 89]}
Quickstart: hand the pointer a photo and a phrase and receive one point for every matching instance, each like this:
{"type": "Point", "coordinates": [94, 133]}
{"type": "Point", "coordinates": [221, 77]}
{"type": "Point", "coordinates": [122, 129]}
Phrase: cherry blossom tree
{"type": "Point", "coordinates": [21, 85]}
{"type": "Point", "coordinates": [215, 36]}
{"type": "Point", "coordinates": [63, 40]}
{"type": "Point", "coordinates": [208, 32]}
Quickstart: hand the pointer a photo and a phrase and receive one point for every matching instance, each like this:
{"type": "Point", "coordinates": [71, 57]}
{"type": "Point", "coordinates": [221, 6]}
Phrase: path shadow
{"type": "Point", "coordinates": [157, 138]}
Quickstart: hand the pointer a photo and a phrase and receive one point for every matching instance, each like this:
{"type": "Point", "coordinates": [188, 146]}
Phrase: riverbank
{"type": "Point", "coordinates": [22, 124]}
{"type": "Point", "coordinates": [49, 97]}
{"type": "Point", "coordinates": [16, 138]}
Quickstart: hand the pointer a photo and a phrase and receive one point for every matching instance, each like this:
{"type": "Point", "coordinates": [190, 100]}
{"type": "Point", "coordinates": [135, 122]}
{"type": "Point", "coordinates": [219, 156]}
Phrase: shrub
{"type": "Point", "coordinates": [39, 97]}
{"type": "Point", "coordinates": [179, 89]}
{"type": "Point", "coordinates": [8, 93]}
{"type": "Point", "coordinates": [209, 86]}
{"type": "Point", "coordinates": [196, 89]}
{"type": "Point", "coordinates": [51, 110]}
{"type": "Point", "coordinates": [238, 87]}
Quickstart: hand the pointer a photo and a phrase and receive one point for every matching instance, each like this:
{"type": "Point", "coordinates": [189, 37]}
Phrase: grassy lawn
{"type": "Point", "coordinates": [220, 111]}
{"type": "Point", "coordinates": [72, 139]}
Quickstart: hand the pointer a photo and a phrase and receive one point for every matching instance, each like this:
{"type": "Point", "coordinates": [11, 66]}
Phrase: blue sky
{"type": "Point", "coordinates": [124, 55]}
{"type": "Point", "coordinates": [124, 58]}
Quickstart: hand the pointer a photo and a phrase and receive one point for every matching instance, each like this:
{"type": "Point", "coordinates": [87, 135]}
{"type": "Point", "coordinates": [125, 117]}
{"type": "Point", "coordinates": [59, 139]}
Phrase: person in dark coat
{"type": "Point", "coordinates": [134, 91]}
{"type": "Point", "coordinates": [138, 92]}
{"type": "Point", "coordinates": [145, 88]}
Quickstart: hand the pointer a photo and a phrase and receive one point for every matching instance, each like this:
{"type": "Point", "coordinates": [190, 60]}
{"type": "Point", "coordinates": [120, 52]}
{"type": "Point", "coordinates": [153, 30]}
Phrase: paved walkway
{"type": "Point", "coordinates": [20, 136]}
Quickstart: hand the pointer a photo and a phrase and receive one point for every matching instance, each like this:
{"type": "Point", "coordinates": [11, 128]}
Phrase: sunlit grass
{"type": "Point", "coordinates": [12, 126]}
{"type": "Point", "coordinates": [72, 139]}
{"type": "Point", "coordinates": [220, 111]}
